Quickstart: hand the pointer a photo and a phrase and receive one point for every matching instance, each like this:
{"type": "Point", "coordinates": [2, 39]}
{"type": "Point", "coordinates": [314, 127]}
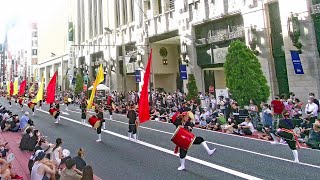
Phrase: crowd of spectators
{"type": "Point", "coordinates": [224, 114]}
{"type": "Point", "coordinates": [48, 160]}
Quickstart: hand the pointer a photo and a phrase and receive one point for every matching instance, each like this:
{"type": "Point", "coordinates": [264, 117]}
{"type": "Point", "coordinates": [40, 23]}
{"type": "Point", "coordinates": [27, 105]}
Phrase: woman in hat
{"type": "Point", "coordinates": [285, 131]}
{"type": "Point", "coordinates": [187, 124]}
{"type": "Point", "coordinates": [133, 123]}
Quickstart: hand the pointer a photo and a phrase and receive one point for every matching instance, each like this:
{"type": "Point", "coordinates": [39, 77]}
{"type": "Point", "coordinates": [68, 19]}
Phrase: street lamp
{"type": "Point", "coordinates": [184, 52]}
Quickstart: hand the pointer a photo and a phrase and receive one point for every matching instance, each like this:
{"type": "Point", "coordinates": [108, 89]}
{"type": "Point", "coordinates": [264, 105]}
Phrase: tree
{"type": "Point", "coordinates": [192, 87]}
{"type": "Point", "coordinates": [79, 84]}
{"type": "Point", "coordinates": [244, 75]}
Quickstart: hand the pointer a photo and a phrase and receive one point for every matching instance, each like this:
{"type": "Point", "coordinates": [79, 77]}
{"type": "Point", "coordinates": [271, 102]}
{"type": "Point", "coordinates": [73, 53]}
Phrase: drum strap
{"type": "Point", "coordinates": [176, 149]}
{"type": "Point", "coordinates": [294, 135]}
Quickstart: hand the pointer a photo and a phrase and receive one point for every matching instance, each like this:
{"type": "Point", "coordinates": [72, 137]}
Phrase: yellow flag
{"type": "Point", "coordinates": [15, 87]}
{"type": "Point", "coordinates": [98, 80]}
{"type": "Point", "coordinates": [40, 92]}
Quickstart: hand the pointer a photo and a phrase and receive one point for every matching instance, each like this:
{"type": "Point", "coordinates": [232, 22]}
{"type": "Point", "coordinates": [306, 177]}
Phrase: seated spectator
{"type": "Point", "coordinates": [5, 169]}
{"type": "Point", "coordinates": [314, 137]}
{"type": "Point", "coordinates": [25, 139]}
{"type": "Point", "coordinates": [56, 154]}
{"type": "Point", "coordinates": [87, 173]}
{"type": "Point", "coordinates": [265, 133]}
{"type": "Point", "coordinates": [245, 127]}
{"type": "Point", "coordinates": [34, 139]}
{"type": "Point", "coordinates": [66, 156]}
{"type": "Point", "coordinates": [203, 123]}
{"type": "Point", "coordinates": [230, 126]}
{"type": "Point", "coordinates": [30, 125]}
{"type": "Point", "coordinates": [3, 150]}
{"type": "Point", "coordinates": [80, 163]}
{"type": "Point", "coordinates": [24, 120]}
{"type": "Point", "coordinates": [42, 167]}
{"type": "Point", "coordinates": [155, 115]}
{"type": "Point", "coordinates": [71, 172]}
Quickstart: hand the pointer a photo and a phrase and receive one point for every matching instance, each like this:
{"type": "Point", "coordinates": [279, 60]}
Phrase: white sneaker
{"type": "Point", "coordinates": [274, 142]}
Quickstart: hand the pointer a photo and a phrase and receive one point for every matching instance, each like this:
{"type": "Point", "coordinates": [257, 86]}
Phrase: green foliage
{"type": "Point", "coordinates": [244, 75]}
{"type": "Point", "coordinates": [79, 84]}
{"type": "Point", "coordinates": [192, 87]}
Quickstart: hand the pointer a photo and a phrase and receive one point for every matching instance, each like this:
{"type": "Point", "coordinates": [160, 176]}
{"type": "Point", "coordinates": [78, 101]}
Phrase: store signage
{"type": "Point", "coordinates": [138, 76]}
{"type": "Point", "coordinates": [297, 65]}
{"type": "Point", "coordinates": [183, 72]}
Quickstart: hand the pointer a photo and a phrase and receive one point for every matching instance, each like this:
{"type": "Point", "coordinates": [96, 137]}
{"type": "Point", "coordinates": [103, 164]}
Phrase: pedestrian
{"type": "Point", "coordinates": [133, 123]}
{"type": "Point", "coordinates": [87, 173]}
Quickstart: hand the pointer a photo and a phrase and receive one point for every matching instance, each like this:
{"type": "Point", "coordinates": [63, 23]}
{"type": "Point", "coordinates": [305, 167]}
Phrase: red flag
{"type": "Point", "coordinates": [11, 88]}
{"type": "Point", "coordinates": [144, 114]}
{"type": "Point", "coordinates": [22, 87]}
{"type": "Point", "coordinates": [51, 89]}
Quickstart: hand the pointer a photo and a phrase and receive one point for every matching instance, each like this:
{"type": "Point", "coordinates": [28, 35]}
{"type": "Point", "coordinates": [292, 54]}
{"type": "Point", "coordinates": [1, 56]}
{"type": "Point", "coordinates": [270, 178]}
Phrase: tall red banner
{"type": "Point", "coordinates": [144, 114]}
{"type": "Point", "coordinates": [11, 88]}
{"type": "Point", "coordinates": [51, 89]}
{"type": "Point", "coordinates": [22, 87]}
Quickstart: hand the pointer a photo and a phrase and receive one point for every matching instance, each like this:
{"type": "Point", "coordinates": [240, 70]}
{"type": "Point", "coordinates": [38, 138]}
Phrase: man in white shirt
{"type": "Point", "coordinates": [311, 109]}
{"type": "Point", "coordinates": [246, 127]}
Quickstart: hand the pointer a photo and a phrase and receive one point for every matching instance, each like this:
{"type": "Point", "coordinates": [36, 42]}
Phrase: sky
{"type": "Point", "coordinates": [15, 12]}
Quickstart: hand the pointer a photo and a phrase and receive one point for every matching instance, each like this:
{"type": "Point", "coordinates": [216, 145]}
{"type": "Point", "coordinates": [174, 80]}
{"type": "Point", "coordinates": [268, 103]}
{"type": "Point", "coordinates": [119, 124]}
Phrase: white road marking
{"type": "Point", "coordinates": [226, 146]}
{"type": "Point", "coordinates": [63, 113]}
{"type": "Point", "coordinates": [196, 160]}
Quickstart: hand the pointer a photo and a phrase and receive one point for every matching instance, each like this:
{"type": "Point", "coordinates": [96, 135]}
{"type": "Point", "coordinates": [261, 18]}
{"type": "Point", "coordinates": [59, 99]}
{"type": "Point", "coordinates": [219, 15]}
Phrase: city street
{"type": "Point", "coordinates": [152, 157]}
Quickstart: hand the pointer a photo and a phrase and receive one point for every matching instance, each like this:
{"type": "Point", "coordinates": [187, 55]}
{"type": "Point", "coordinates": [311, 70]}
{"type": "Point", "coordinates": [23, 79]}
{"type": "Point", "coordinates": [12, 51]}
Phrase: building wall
{"type": "Point", "coordinates": [301, 85]}
{"type": "Point", "coordinates": [188, 14]}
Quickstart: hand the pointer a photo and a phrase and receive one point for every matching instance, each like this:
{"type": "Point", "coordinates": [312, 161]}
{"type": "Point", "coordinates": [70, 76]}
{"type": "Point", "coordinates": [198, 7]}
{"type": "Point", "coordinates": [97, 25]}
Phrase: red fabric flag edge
{"type": "Point", "coordinates": [144, 114]}
{"type": "Point", "coordinates": [51, 89]}
{"type": "Point", "coordinates": [11, 88]}
{"type": "Point", "coordinates": [22, 88]}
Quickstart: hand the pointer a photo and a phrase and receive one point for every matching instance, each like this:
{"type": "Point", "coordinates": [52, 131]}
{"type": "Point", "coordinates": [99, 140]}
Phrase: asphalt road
{"type": "Point", "coordinates": [152, 157]}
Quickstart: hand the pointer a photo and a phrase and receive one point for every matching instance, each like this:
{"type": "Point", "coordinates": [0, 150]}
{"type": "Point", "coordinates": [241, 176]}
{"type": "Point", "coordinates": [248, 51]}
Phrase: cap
{"type": "Point", "coordinates": [66, 153]}
{"type": "Point", "coordinates": [26, 113]}
{"type": "Point", "coordinates": [40, 156]}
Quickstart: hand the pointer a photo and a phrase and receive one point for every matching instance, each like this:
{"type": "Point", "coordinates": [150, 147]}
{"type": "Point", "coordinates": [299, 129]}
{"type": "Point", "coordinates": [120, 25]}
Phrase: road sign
{"type": "Point", "coordinates": [183, 72]}
{"type": "Point", "coordinates": [138, 76]}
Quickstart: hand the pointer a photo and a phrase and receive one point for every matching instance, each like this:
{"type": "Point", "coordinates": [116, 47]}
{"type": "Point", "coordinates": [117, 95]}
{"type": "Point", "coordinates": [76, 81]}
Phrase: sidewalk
{"type": "Point", "coordinates": [20, 163]}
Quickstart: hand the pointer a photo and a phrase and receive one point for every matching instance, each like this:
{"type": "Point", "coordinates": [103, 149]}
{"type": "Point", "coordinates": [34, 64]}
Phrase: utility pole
{"type": "Point", "coordinates": [148, 52]}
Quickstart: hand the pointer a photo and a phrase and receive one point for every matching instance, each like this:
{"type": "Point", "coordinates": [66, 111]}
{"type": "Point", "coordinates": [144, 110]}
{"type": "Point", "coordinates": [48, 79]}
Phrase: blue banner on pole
{"type": "Point", "coordinates": [183, 72]}
{"type": "Point", "coordinates": [138, 76]}
{"type": "Point", "coordinates": [296, 62]}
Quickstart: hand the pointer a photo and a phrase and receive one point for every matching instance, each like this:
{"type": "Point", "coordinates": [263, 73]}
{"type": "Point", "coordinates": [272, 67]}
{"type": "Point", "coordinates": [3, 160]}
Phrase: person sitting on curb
{"type": "Point", "coordinates": [42, 167]}
{"type": "Point", "coordinates": [80, 163]}
{"type": "Point", "coordinates": [314, 137]}
{"type": "Point", "coordinates": [245, 127]}
{"type": "Point", "coordinates": [71, 172]}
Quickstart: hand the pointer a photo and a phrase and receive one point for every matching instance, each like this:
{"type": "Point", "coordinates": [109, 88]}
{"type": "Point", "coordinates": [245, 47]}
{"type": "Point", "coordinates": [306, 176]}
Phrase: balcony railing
{"type": "Point", "coordinates": [315, 9]}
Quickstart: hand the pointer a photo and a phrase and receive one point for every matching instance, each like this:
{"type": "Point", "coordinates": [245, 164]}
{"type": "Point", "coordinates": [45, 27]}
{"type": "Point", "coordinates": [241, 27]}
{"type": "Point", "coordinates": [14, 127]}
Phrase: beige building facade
{"type": "Point", "coordinates": [181, 33]}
